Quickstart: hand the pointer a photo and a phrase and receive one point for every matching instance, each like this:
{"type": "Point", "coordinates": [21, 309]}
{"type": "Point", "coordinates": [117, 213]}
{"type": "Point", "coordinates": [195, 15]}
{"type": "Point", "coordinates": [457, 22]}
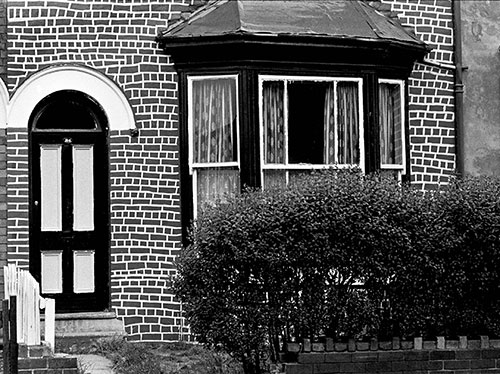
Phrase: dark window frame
{"type": "Point", "coordinates": [250, 127]}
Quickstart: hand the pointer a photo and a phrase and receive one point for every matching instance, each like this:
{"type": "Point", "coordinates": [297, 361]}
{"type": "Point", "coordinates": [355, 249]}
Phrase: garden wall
{"type": "Point", "coordinates": [408, 357]}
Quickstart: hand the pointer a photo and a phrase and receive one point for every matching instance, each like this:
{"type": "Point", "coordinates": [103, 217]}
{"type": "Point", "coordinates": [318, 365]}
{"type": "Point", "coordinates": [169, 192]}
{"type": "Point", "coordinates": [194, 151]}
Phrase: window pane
{"type": "Point", "coordinates": [348, 123]}
{"type": "Point", "coordinates": [67, 110]}
{"type": "Point", "coordinates": [214, 184]}
{"type": "Point", "coordinates": [329, 155]}
{"type": "Point", "coordinates": [391, 143]}
{"type": "Point", "coordinates": [306, 105]}
{"type": "Point", "coordinates": [274, 178]}
{"type": "Point", "coordinates": [214, 124]}
{"type": "Point", "coordinates": [274, 122]}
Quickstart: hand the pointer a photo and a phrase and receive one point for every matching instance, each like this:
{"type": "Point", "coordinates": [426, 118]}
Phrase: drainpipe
{"type": "Point", "coordinates": [459, 89]}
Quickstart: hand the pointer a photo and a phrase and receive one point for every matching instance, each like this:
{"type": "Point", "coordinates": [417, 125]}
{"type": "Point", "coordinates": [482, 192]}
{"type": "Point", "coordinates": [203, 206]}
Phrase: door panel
{"type": "Point", "coordinates": [50, 184]}
{"type": "Point", "coordinates": [83, 273]}
{"type": "Point", "coordinates": [83, 187]}
{"type": "Point", "coordinates": [52, 272]}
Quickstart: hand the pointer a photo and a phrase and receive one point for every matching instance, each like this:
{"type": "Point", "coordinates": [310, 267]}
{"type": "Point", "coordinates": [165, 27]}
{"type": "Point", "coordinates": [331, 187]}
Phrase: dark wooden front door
{"type": "Point", "coordinates": [69, 204]}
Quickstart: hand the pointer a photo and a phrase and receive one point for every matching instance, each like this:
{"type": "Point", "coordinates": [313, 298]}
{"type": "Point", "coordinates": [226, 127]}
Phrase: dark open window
{"type": "Point", "coordinates": [309, 123]}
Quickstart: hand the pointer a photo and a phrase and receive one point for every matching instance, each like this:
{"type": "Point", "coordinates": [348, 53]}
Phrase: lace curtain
{"type": "Point", "coordinates": [329, 127]}
{"type": "Point", "coordinates": [274, 122]}
{"type": "Point", "coordinates": [391, 147]}
{"type": "Point", "coordinates": [348, 123]}
{"type": "Point", "coordinates": [214, 124]}
{"type": "Point", "coordinates": [214, 120]}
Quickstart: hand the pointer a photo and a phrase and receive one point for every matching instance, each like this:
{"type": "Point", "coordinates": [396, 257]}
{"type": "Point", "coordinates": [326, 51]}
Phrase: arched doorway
{"type": "Point", "coordinates": [69, 223]}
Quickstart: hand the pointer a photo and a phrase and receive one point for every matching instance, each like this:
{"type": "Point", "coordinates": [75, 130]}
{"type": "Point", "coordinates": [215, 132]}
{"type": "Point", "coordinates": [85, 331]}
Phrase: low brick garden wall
{"type": "Point", "coordinates": [463, 356]}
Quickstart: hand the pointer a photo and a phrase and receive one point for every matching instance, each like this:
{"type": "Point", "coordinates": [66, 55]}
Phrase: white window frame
{"type": "Point", "coordinates": [400, 168]}
{"type": "Point", "coordinates": [193, 166]}
{"type": "Point", "coordinates": [286, 166]}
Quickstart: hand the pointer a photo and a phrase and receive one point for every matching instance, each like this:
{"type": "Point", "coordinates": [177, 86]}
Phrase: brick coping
{"type": "Point", "coordinates": [418, 343]}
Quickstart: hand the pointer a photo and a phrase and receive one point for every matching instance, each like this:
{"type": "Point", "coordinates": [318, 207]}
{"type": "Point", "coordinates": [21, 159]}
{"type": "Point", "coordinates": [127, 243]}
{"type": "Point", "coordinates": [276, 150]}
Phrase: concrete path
{"type": "Point", "coordinates": [94, 364]}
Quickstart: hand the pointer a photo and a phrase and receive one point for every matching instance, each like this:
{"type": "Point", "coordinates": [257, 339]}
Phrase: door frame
{"type": "Point", "coordinates": [101, 301]}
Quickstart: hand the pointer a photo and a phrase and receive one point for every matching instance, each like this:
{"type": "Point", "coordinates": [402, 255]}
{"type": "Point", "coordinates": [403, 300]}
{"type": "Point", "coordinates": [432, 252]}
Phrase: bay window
{"type": "Point", "coordinates": [309, 123]}
{"type": "Point", "coordinates": [213, 137]}
{"type": "Point", "coordinates": [391, 125]}
{"type": "Point", "coordinates": [272, 89]}
{"type": "Point", "coordinates": [303, 123]}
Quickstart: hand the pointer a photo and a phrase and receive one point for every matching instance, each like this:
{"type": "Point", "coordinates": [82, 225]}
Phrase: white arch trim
{"type": "Point", "coordinates": [4, 104]}
{"type": "Point", "coordinates": [71, 77]}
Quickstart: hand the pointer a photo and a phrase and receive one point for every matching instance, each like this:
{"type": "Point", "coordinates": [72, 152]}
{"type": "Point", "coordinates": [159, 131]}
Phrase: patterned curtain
{"type": "Point", "coordinates": [329, 126]}
{"type": "Point", "coordinates": [391, 148]}
{"type": "Point", "coordinates": [215, 184]}
{"type": "Point", "coordinates": [274, 122]}
{"type": "Point", "coordinates": [214, 138]}
{"type": "Point", "coordinates": [214, 120]}
{"type": "Point", "coordinates": [348, 123]}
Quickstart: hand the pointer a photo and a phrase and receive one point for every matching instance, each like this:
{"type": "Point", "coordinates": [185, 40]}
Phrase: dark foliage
{"type": "Point", "coordinates": [341, 254]}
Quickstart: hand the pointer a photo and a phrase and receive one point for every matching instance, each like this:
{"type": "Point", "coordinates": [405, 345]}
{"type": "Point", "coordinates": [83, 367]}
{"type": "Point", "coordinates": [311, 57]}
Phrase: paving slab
{"type": "Point", "coordinates": [95, 364]}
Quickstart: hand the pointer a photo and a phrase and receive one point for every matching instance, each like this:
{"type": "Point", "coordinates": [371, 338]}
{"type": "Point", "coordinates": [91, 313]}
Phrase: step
{"type": "Point", "coordinates": [75, 331]}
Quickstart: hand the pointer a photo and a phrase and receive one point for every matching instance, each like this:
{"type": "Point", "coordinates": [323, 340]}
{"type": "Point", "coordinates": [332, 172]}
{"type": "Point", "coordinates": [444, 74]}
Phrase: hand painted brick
{"type": "Point", "coordinates": [116, 39]}
{"type": "Point", "coordinates": [431, 88]}
{"type": "Point", "coordinates": [17, 192]}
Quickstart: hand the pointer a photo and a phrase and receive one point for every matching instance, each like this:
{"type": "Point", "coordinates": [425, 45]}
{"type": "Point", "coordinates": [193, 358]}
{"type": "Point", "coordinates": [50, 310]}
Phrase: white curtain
{"type": "Point", "coordinates": [391, 147]}
{"type": "Point", "coordinates": [348, 123]}
{"type": "Point", "coordinates": [329, 126]}
{"type": "Point", "coordinates": [214, 120]}
{"type": "Point", "coordinates": [214, 138]}
{"type": "Point", "coordinates": [274, 122]}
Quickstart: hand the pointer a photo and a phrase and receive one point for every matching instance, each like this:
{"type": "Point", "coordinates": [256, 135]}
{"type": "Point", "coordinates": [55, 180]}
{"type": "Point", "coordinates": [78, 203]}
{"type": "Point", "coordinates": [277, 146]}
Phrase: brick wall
{"type": "Point", "coordinates": [40, 360]}
{"type": "Point", "coordinates": [116, 38]}
{"type": "Point", "coordinates": [431, 91]}
{"type": "Point", "coordinates": [3, 207]}
{"type": "Point", "coordinates": [3, 40]}
{"type": "Point", "coordinates": [17, 197]}
{"type": "Point", "coordinates": [3, 150]}
{"type": "Point", "coordinates": [473, 357]}
{"type": "Point", "coordinates": [146, 231]}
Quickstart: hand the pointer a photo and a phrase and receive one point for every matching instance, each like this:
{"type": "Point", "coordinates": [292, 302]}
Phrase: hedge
{"type": "Point", "coordinates": [341, 254]}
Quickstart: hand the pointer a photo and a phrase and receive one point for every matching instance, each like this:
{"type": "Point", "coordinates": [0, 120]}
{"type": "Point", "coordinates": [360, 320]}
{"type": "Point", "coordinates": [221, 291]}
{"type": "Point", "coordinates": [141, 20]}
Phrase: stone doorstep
{"type": "Point", "coordinates": [87, 324]}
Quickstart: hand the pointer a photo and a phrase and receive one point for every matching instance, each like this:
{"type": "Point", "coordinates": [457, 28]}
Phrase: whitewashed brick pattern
{"type": "Point", "coordinates": [17, 198]}
{"type": "Point", "coordinates": [431, 91]}
{"type": "Point", "coordinates": [432, 21]}
{"type": "Point", "coordinates": [3, 205]}
{"type": "Point", "coordinates": [146, 233]}
{"type": "Point", "coordinates": [117, 38]}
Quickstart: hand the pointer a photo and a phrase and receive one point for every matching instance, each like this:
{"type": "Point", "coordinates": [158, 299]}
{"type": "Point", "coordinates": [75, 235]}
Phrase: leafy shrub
{"type": "Point", "coordinates": [450, 283]}
{"type": "Point", "coordinates": [289, 263]}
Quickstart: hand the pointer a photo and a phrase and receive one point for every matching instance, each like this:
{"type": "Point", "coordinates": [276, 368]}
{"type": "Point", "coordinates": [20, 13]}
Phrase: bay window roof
{"type": "Point", "coordinates": [334, 19]}
{"type": "Point", "coordinates": [249, 32]}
